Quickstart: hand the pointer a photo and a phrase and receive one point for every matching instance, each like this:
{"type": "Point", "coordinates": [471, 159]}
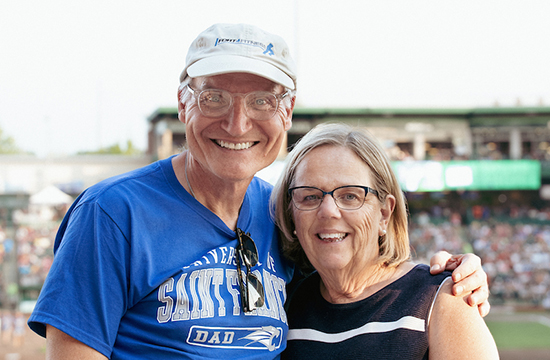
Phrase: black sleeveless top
{"type": "Point", "coordinates": [390, 324]}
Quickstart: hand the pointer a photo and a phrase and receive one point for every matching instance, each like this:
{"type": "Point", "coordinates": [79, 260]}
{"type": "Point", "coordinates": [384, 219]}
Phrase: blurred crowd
{"type": "Point", "coordinates": [487, 151]}
{"type": "Point", "coordinates": [515, 254]}
{"type": "Point", "coordinates": [26, 255]}
{"type": "Point", "coordinates": [12, 328]}
{"type": "Point", "coordinates": [35, 254]}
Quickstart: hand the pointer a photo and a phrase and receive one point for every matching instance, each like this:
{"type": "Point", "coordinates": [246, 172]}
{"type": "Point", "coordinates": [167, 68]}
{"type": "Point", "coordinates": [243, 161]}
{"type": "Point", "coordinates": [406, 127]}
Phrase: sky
{"type": "Point", "coordinates": [80, 75]}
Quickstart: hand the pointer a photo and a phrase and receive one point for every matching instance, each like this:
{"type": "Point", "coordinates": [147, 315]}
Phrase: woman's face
{"type": "Point", "coordinates": [335, 239]}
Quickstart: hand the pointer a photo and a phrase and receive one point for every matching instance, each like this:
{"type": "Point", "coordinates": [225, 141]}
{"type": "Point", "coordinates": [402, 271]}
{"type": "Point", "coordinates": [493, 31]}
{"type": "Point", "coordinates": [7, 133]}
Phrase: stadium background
{"type": "Point", "coordinates": [476, 180]}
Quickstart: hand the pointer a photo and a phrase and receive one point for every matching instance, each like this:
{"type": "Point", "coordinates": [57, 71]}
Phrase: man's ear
{"type": "Point", "coordinates": [288, 118]}
{"type": "Point", "coordinates": [181, 105]}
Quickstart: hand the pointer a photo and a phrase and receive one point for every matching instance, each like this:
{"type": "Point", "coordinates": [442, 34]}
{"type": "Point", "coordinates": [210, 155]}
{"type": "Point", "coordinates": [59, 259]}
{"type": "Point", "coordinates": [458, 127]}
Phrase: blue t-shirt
{"type": "Point", "coordinates": [144, 271]}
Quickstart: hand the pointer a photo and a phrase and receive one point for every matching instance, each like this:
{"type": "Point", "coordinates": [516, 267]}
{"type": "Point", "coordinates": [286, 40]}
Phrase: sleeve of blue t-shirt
{"type": "Point", "coordinates": [86, 291]}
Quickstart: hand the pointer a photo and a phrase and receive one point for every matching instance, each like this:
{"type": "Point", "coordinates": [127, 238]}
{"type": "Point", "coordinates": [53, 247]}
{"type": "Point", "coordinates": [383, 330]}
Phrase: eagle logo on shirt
{"type": "Point", "coordinates": [264, 336]}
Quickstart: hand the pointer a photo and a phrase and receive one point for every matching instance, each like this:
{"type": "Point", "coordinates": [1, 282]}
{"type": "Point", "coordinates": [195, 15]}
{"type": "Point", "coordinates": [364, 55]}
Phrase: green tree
{"type": "Point", "coordinates": [115, 150]}
{"type": "Point", "coordinates": [7, 144]}
{"type": "Point", "coordinates": [131, 149]}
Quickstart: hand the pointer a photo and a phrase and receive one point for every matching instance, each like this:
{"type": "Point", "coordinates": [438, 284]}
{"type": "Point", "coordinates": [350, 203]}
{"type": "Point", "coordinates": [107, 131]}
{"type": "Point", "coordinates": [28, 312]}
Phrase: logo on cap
{"type": "Point", "coordinates": [268, 50]}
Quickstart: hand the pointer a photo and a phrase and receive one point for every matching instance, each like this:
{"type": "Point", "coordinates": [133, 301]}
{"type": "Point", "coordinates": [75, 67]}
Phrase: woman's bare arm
{"type": "Point", "coordinates": [456, 331]}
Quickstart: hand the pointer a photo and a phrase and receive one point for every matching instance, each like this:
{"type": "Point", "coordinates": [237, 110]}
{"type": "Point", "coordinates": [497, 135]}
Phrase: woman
{"type": "Point", "coordinates": [341, 211]}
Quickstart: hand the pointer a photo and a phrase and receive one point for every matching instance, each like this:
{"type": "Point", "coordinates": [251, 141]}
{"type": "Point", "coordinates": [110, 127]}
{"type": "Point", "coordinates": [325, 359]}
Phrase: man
{"type": "Point", "coordinates": [180, 259]}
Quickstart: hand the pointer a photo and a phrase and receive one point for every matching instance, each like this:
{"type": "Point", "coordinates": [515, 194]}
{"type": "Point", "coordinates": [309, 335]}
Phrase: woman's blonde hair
{"type": "Point", "coordinates": [394, 245]}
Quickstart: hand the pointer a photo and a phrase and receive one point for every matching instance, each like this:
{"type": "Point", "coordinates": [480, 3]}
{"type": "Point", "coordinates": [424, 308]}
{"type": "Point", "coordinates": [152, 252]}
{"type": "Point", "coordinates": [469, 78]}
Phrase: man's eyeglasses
{"type": "Point", "coordinates": [259, 105]}
{"type": "Point", "coordinates": [348, 197]}
{"type": "Point", "coordinates": [252, 290]}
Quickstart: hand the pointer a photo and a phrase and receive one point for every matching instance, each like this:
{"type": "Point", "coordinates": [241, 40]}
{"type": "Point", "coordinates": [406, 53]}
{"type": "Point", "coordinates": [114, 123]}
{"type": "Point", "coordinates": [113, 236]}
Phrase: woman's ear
{"type": "Point", "coordinates": [387, 210]}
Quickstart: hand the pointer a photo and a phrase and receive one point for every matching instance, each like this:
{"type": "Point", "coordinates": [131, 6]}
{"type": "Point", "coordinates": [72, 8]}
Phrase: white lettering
{"type": "Point", "coordinates": [231, 258]}
{"type": "Point", "coordinates": [195, 313]}
{"type": "Point", "coordinates": [223, 249]}
{"type": "Point", "coordinates": [214, 254]}
{"type": "Point", "coordinates": [270, 308]}
{"type": "Point", "coordinates": [270, 262]}
{"type": "Point", "coordinates": [233, 288]}
{"type": "Point", "coordinates": [202, 336]}
{"type": "Point", "coordinates": [182, 305]}
{"type": "Point", "coordinates": [163, 312]}
{"type": "Point", "coordinates": [215, 339]}
{"type": "Point", "coordinates": [217, 281]}
{"type": "Point", "coordinates": [279, 285]}
{"type": "Point", "coordinates": [228, 337]}
{"type": "Point", "coordinates": [205, 280]}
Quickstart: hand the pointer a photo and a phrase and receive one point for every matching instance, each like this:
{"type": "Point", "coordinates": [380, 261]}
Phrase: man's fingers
{"type": "Point", "coordinates": [484, 309]}
{"type": "Point", "coordinates": [468, 275]}
{"type": "Point", "coordinates": [476, 282]}
{"type": "Point", "coordinates": [469, 264]}
{"type": "Point", "coordinates": [438, 262]}
{"type": "Point", "coordinates": [475, 297]}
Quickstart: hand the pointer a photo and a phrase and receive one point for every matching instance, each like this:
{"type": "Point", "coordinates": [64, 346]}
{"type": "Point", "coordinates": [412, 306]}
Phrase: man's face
{"type": "Point", "coordinates": [233, 146]}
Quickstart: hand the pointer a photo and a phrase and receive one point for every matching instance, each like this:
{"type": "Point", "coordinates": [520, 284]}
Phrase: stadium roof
{"type": "Point", "coordinates": [468, 113]}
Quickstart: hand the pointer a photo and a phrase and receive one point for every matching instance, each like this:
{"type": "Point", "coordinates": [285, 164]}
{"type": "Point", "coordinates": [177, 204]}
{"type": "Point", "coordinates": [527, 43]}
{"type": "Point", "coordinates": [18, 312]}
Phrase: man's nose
{"type": "Point", "coordinates": [237, 121]}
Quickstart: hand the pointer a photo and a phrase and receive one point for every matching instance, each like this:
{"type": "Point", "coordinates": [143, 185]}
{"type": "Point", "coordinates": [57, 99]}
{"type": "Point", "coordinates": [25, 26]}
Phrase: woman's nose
{"type": "Point", "coordinates": [328, 207]}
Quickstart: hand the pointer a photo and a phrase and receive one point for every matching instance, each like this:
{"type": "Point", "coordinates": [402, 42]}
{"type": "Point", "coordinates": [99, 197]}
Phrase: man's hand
{"type": "Point", "coordinates": [468, 276]}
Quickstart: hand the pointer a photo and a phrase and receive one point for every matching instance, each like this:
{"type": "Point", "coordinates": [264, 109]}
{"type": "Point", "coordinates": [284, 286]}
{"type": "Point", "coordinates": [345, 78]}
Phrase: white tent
{"type": "Point", "coordinates": [50, 196]}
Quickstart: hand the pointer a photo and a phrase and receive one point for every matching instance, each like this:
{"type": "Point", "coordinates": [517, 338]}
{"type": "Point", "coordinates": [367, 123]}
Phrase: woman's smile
{"type": "Point", "coordinates": [332, 237]}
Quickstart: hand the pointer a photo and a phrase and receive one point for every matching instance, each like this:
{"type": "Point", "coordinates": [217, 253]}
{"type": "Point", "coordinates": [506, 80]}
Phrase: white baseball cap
{"type": "Point", "coordinates": [228, 48]}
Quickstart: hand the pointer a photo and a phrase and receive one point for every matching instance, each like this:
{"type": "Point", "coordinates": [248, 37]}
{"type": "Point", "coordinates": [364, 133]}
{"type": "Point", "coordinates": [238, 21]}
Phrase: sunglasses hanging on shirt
{"type": "Point", "coordinates": [252, 290]}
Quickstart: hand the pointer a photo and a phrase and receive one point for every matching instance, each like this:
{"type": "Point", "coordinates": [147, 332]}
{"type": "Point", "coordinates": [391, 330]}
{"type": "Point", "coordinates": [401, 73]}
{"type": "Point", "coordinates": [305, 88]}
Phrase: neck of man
{"type": "Point", "coordinates": [224, 198]}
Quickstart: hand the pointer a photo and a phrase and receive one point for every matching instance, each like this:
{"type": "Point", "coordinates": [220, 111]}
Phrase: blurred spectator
{"type": "Point", "coordinates": [19, 326]}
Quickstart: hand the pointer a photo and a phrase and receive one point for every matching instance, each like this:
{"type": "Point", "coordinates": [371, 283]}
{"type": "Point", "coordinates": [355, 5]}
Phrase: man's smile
{"type": "Point", "coordinates": [234, 146]}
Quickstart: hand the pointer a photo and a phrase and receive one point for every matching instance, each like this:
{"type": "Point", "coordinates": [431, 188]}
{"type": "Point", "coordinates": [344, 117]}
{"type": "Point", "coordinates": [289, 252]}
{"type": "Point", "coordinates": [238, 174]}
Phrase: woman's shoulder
{"type": "Point", "coordinates": [420, 273]}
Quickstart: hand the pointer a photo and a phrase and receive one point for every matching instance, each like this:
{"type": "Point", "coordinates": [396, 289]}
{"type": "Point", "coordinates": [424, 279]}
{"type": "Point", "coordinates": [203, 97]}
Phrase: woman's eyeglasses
{"type": "Point", "coordinates": [348, 197]}
{"type": "Point", "coordinates": [252, 290]}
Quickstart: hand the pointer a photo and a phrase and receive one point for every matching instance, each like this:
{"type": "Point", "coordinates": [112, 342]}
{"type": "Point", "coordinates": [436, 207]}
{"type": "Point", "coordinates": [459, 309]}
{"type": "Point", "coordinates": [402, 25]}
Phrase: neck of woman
{"type": "Point", "coordinates": [344, 287]}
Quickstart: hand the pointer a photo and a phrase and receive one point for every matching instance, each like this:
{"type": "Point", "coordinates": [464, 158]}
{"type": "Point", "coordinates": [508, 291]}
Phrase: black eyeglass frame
{"type": "Point", "coordinates": [250, 280]}
{"type": "Point", "coordinates": [331, 193]}
{"type": "Point", "coordinates": [279, 98]}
